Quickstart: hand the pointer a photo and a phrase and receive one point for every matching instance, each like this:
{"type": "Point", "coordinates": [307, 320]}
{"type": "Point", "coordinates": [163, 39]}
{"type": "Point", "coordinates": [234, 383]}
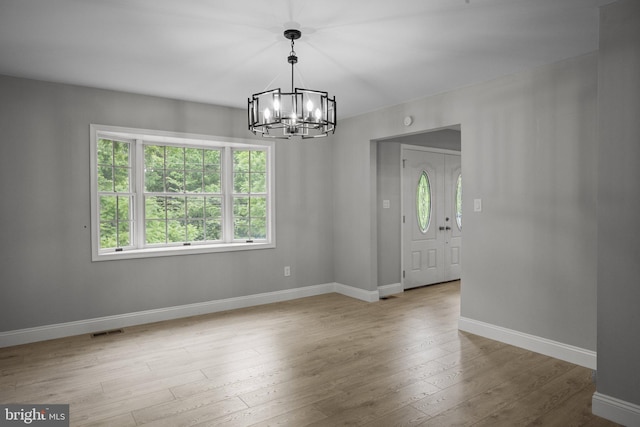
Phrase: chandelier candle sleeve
{"type": "Point", "coordinates": [302, 112]}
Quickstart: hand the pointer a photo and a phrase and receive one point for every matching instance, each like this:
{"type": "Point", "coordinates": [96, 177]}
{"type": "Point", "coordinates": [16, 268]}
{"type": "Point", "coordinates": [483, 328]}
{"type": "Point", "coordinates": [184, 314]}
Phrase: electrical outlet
{"type": "Point", "coordinates": [287, 271]}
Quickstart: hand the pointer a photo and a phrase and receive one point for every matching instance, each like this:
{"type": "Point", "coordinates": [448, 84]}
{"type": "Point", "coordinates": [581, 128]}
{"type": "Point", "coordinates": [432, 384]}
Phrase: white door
{"type": "Point", "coordinates": [431, 230]}
{"type": "Point", "coordinates": [453, 217]}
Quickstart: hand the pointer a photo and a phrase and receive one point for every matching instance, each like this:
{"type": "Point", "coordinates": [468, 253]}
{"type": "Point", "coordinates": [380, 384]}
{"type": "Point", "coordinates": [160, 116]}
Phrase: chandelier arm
{"type": "Point", "coordinates": [271, 82]}
{"type": "Point", "coordinates": [301, 78]}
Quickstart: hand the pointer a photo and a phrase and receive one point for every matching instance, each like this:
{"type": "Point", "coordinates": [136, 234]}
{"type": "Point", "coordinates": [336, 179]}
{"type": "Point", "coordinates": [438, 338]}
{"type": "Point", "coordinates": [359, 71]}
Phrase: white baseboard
{"type": "Point", "coordinates": [386, 290]}
{"type": "Point", "coordinates": [60, 330]}
{"type": "Point", "coordinates": [569, 353]}
{"type": "Point", "coordinates": [361, 294]}
{"type": "Point", "coordinates": [616, 410]}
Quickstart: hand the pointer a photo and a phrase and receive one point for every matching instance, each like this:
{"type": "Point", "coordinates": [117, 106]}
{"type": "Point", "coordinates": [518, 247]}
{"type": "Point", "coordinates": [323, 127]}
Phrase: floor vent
{"type": "Point", "coordinates": [105, 333]}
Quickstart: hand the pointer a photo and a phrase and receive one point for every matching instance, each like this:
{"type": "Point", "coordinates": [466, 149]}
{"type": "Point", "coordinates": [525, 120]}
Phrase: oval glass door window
{"type": "Point", "coordinates": [423, 202]}
{"type": "Point", "coordinates": [459, 202]}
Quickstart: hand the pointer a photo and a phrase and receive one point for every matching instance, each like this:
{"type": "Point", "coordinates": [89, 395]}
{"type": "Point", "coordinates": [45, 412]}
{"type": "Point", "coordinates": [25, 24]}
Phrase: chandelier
{"type": "Point", "coordinates": [302, 112]}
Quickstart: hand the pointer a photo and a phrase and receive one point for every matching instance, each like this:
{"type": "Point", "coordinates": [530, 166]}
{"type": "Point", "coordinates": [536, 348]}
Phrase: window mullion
{"type": "Point", "coordinates": [227, 194]}
{"type": "Point", "coordinates": [138, 194]}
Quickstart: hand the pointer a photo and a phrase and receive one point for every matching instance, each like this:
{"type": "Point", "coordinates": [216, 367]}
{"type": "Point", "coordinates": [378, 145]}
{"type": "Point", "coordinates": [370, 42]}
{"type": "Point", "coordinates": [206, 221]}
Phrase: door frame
{"type": "Point", "coordinates": [404, 147]}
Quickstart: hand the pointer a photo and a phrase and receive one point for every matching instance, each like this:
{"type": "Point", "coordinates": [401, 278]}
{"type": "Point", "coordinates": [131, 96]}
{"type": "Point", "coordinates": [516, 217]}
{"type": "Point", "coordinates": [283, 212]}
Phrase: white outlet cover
{"type": "Point", "coordinates": [477, 205]}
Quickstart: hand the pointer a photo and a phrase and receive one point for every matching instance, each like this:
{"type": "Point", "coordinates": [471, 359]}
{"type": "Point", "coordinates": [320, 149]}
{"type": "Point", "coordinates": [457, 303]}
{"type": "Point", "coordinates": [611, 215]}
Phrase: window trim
{"type": "Point", "coordinates": [178, 139]}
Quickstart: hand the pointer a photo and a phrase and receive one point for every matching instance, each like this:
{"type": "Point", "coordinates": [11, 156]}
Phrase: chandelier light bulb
{"type": "Point", "coordinates": [309, 106]}
{"type": "Point", "coordinates": [267, 115]}
{"type": "Point", "coordinates": [318, 114]}
{"type": "Point", "coordinates": [276, 106]}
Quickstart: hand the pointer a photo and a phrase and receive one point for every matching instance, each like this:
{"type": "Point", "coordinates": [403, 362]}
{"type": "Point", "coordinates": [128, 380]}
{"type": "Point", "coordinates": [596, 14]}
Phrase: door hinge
{"type": "Point", "coordinates": [403, 163]}
{"type": "Point", "coordinates": [403, 221]}
{"type": "Point", "coordinates": [403, 274]}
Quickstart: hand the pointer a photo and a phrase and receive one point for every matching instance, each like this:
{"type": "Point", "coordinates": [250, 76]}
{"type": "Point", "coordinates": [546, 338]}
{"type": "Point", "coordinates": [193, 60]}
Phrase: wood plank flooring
{"type": "Point", "coordinates": [327, 360]}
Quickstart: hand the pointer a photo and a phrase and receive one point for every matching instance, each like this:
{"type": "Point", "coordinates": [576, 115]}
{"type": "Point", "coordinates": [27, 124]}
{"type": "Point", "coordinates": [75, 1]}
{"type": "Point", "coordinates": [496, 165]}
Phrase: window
{"type": "Point", "coordinates": [249, 194]}
{"type": "Point", "coordinates": [156, 194]}
{"type": "Point", "coordinates": [459, 202]}
{"type": "Point", "coordinates": [423, 202]}
{"type": "Point", "coordinates": [115, 193]}
{"type": "Point", "coordinates": [182, 195]}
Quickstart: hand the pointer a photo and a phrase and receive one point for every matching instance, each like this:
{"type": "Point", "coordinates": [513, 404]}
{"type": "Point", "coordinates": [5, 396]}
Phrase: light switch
{"type": "Point", "coordinates": [477, 205]}
{"type": "Point", "coordinates": [386, 204]}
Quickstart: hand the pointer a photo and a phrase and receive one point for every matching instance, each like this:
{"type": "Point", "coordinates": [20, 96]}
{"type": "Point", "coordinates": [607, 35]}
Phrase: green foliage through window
{"type": "Point", "coordinates": [114, 187]}
{"type": "Point", "coordinates": [459, 202]}
{"type": "Point", "coordinates": [183, 202]}
{"type": "Point", "coordinates": [156, 191]}
{"type": "Point", "coordinates": [423, 202]}
{"type": "Point", "coordinates": [249, 194]}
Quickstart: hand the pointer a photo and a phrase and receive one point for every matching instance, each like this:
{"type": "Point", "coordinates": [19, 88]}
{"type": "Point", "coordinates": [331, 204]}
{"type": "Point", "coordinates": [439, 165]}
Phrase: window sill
{"type": "Point", "coordinates": [180, 250]}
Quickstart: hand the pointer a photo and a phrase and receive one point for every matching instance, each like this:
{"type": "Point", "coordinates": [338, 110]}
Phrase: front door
{"type": "Point", "coordinates": [432, 242]}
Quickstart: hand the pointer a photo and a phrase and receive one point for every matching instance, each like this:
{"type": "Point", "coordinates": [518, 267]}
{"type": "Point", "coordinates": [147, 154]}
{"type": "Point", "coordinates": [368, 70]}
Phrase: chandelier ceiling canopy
{"type": "Point", "coordinates": [302, 112]}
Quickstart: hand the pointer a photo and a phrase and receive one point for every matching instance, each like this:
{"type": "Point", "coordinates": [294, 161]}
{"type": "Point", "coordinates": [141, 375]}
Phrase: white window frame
{"type": "Point", "coordinates": [142, 136]}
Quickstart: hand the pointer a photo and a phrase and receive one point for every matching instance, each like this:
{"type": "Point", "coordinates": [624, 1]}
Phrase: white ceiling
{"type": "Point", "coordinates": [368, 53]}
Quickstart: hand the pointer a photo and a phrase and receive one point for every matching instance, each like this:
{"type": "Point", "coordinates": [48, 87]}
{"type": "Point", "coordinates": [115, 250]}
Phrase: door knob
{"type": "Point", "coordinates": [441, 228]}
{"type": "Point", "coordinates": [447, 228]}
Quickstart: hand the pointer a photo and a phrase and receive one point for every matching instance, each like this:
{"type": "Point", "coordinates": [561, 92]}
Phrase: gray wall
{"type": "Point", "coordinates": [389, 220]}
{"type": "Point", "coordinates": [619, 203]}
{"type": "Point", "coordinates": [388, 188]}
{"type": "Point", "coordinates": [46, 273]}
{"type": "Point", "coordinates": [529, 151]}
{"type": "Point", "coordinates": [529, 145]}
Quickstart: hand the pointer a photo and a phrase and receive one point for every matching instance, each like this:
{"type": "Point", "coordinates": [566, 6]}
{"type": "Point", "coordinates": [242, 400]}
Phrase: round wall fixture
{"type": "Point", "coordinates": [408, 120]}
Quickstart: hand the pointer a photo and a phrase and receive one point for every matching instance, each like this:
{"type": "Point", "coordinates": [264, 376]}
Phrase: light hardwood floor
{"type": "Point", "coordinates": [327, 360]}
